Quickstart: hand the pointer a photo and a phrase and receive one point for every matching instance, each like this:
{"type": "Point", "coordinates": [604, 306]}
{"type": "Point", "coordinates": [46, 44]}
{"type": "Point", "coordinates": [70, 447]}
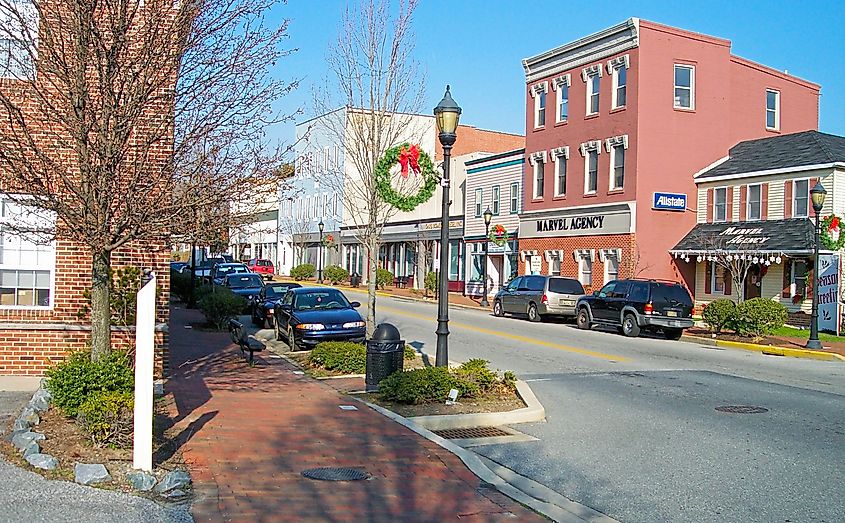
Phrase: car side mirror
{"type": "Point", "coordinates": [355, 304]}
{"type": "Point", "coordinates": [595, 293]}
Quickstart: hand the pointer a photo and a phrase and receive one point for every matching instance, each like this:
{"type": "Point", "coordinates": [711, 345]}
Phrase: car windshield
{"type": "Point", "coordinates": [322, 300]}
{"type": "Point", "coordinates": [565, 286]}
{"type": "Point", "coordinates": [247, 280]}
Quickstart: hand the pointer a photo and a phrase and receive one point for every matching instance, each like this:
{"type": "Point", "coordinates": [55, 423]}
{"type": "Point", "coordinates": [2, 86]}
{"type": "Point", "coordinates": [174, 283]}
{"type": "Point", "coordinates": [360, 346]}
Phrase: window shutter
{"type": "Point", "coordinates": [764, 204]}
{"type": "Point", "coordinates": [743, 203]}
{"type": "Point", "coordinates": [787, 199]}
{"type": "Point", "coordinates": [708, 277]}
{"type": "Point", "coordinates": [787, 293]}
{"type": "Point", "coordinates": [709, 205]}
{"type": "Point", "coordinates": [729, 204]}
{"type": "Point", "coordinates": [728, 283]}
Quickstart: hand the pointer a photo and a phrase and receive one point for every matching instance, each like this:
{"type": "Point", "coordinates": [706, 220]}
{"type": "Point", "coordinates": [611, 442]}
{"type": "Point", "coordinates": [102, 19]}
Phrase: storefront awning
{"type": "Point", "coordinates": [793, 236]}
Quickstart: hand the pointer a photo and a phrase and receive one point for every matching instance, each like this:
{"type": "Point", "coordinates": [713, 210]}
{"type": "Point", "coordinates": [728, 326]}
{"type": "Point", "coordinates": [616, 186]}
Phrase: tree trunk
{"type": "Point", "coordinates": [372, 265]}
{"type": "Point", "coordinates": [100, 306]}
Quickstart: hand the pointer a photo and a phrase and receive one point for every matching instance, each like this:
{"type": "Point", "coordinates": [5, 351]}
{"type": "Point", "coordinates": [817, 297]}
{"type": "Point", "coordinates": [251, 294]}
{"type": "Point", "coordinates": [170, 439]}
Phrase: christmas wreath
{"type": "Point", "coordinates": [498, 235]}
{"type": "Point", "coordinates": [831, 236]}
{"type": "Point", "coordinates": [328, 241]}
{"type": "Point", "coordinates": [412, 161]}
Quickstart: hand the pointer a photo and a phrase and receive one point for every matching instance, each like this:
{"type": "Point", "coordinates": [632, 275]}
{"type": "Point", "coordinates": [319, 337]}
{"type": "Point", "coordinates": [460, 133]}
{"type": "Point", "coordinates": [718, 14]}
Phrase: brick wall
{"type": "Point", "coordinates": [472, 139]}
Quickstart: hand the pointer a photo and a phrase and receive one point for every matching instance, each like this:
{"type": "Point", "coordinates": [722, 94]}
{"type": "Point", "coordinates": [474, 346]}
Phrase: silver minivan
{"type": "Point", "coordinates": [537, 296]}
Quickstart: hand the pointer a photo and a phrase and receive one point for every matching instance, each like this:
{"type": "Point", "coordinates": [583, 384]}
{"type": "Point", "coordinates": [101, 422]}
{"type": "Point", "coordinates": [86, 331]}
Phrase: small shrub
{"type": "Point", "coordinates": [720, 314]}
{"type": "Point", "coordinates": [76, 379]}
{"type": "Point", "coordinates": [476, 371]}
{"type": "Point", "coordinates": [759, 317]}
{"type": "Point", "coordinates": [341, 356]}
{"type": "Point", "coordinates": [107, 418]}
{"type": "Point", "coordinates": [509, 380]}
{"type": "Point", "coordinates": [383, 278]}
{"type": "Point", "coordinates": [410, 353]}
{"type": "Point", "coordinates": [301, 272]}
{"type": "Point", "coordinates": [424, 385]}
{"type": "Point", "coordinates": [221, 306]}
{"type": "Point", "coordinates": [335, 274]}
{"type": "Point", "coordinates": [430, 282]}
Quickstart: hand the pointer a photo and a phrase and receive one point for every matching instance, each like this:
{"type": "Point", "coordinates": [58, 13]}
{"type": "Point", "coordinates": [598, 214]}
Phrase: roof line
{"type": "Point", "coordinates": [768, 172]}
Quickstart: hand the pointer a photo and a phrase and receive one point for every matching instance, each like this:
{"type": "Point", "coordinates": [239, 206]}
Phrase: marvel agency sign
{"type": "Point", "coordinates": [585, 224]}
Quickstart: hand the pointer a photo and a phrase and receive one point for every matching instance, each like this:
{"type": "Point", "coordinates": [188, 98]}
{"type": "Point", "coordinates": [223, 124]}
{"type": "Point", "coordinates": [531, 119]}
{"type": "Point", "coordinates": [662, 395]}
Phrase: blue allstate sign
{"type": "Point", "coordinates": [665, 201]}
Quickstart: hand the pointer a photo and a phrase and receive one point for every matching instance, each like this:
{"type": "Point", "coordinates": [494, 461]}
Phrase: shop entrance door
{"type": "Point", "coordinates": [753, 283]}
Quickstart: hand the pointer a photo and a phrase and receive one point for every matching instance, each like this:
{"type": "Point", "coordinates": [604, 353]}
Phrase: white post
{"type": "Point", "coordinates": [142, 455]}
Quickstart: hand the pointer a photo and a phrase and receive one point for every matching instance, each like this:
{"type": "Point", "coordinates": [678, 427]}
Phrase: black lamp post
{"type": "Point", "coordinates": [320, 253]}
{"type": "Point", "coordinates": [447, 113]}
{"type": "Point", "coordinates": [817, 195]}
{"type": "Point", "coordinates": [488, 215]}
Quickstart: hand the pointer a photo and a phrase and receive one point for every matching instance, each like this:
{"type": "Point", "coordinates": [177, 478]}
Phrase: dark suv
{"type": "Point", "coordinates": [634, 305]}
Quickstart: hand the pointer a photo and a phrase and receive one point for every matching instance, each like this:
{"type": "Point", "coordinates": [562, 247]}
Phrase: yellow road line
{"type": "Point", "coordinates": [515, 337]}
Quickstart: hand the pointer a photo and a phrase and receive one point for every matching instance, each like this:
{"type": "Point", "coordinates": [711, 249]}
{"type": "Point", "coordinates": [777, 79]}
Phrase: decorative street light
{"type": "Point", "coordinates": [817, 195]}
{"type": "Point", "coordinates": [488, 215]}
{"type": "Point", "coordinates": [320, 253]}
{"type": "Point", "coordinates": [447, 113]}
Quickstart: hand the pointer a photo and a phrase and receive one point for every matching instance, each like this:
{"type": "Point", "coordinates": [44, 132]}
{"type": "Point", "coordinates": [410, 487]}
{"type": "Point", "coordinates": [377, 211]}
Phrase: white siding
{"type": "Point", "coordinates": [485, 180]}
{"type": "Point", "coordinates": [838, 198]}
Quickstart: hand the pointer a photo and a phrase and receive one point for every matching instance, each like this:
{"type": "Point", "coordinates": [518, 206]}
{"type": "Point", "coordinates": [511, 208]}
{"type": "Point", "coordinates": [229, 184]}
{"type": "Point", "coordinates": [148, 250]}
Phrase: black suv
{"type": "Point", "coordinates": [634, 305]}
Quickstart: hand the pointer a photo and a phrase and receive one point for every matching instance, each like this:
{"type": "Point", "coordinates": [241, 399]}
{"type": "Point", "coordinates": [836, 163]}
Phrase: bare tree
{"type": "Point", "coordinates": [733, 259]}
{"type": "Point", "coordinates": [377, 83]}
{"type": "Point", "coordinates": [120, 115]}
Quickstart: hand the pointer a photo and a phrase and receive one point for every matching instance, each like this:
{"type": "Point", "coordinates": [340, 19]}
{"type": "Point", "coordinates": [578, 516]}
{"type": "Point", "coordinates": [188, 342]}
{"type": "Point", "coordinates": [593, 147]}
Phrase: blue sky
{"type": "Point", "coordinates": [479, 48]}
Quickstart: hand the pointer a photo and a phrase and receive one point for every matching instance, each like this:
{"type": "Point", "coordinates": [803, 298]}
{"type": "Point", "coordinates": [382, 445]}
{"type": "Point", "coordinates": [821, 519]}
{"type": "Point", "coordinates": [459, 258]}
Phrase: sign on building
{"type": "Point", "coordinates": [535, 264]}
{"type": "Point", "coordinates": [829, 293]}
{"type": "Point", "coordinates": [665, 201]}
{"type": "Point", "coordinates": [580, 224]}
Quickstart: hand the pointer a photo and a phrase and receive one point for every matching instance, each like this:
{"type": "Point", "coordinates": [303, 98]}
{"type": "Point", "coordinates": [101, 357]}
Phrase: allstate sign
{"type": "Point", "coordinates": [664, 201]}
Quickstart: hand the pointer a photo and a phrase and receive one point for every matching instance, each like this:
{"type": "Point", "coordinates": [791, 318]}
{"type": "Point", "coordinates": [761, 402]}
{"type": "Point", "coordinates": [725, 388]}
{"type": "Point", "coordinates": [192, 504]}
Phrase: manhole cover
{"type": "Point", "coordinates": [471, 433]}
{"type": "Point", "coordinates": [336, 474]}
{"type": "Point", "coordinates": [741, 409]}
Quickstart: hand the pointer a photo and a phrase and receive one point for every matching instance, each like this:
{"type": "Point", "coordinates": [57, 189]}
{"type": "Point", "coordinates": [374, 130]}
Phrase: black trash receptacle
{"type": "Point", "coordinates": [385, 355]}
{"type": "Point", "coordinates": [355, 280]}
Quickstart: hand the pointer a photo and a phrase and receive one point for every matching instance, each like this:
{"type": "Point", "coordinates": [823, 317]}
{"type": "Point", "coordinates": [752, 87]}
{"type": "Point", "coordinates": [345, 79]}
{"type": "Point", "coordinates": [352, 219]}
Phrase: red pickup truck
{"type": "Point", "coordinates": [262, 267]}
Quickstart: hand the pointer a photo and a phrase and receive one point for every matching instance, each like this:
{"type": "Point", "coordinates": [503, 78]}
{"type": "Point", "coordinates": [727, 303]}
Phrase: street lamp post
{"type": "Point", "coordinates": [817, 195]}
{"type": "Point", "coordinates": [447, 113]}
{"type": "Point", "coordinates": [320, 253]}
{"type": "Point", "coordinates": [488, 215]}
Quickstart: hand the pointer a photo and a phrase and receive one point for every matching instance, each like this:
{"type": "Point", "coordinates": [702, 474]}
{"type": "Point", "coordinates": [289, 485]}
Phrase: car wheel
{"type": "Point", "coordinates": [497, 309]}
{"type": "Point", "coordinates": [673, 334]}
{"type": "Point", "coordinates": [533, 315]}
{"type": "Point", "coordinates": [630, 327]}
{"type": "Point", "coordinates": [291, 339]}
{"type": "Point", "coordinates": [583, 319]}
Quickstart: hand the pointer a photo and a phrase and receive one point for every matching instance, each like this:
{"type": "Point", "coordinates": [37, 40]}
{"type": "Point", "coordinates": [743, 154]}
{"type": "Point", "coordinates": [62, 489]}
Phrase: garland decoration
{"type": "Point", "coordinates": [831, 235]}
{"type": "Point", "coordinates": [412, 161]}
{"type": "Point", "coordinates": [498, 235]}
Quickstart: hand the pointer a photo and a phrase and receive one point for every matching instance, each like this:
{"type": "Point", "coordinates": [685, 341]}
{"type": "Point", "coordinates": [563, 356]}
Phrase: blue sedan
{"type": "Point", "coordinates": [307, 315]}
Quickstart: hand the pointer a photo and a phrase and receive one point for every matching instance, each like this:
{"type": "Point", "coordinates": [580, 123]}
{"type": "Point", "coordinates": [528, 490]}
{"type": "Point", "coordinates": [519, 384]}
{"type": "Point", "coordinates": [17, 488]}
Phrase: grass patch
{"type": "Point", "coordinates": [804, 334]}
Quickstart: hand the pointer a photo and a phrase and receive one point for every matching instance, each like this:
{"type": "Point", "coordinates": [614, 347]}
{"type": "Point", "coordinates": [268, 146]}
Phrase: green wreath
{"type": "Point", "coordinates": [419, 162]}
{"type": "Point", "coordinates": [499, 235]}
{"type": "Point", "coordinates": [830, 235]}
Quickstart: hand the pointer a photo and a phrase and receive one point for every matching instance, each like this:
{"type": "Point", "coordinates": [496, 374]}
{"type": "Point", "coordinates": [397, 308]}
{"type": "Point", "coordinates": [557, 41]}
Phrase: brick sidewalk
{"type": "Point", "coordinates": [250, 432]}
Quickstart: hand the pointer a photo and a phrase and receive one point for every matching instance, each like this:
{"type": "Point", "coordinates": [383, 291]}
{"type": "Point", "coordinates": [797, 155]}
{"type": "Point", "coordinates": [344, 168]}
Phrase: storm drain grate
{"type": "Point", "coordinates": [336, 474]}
{"type": "Point", "coordinates": [742, 409]}
{"type": "Point", "coordinates": [471, 433]}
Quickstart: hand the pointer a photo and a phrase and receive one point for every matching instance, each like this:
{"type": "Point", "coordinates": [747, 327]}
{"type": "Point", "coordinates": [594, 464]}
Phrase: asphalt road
{"type": "Point", "coordinates": [632, 429]}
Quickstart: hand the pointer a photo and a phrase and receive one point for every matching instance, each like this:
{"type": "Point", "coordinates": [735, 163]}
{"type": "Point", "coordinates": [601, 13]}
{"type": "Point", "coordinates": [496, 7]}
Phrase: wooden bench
{"type": "Point", "coordinates": [400, 282]}
{"type": "Point", "coordinates": [247, 343]}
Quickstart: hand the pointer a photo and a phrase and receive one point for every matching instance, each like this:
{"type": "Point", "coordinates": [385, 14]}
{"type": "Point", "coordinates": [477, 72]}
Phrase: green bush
{"type": "Point", "coordinates": [424, 385]}
{"type": "Point", "coordinates": [476, 371]}
{"type": "Point", "coordinates": [410, 353]}
{"type": "Point", "coordinates": [720, 314]}
{"type": "Point", "coordinates": [301, 272]}
{"type": "Point", "coordinates": [383, 278]}
{"type": "Point", "coordinates": [107, 418]}
{"type": "Point", "coordinates": [220, 306]}
{"type": "Point", "coordinates": [759, 317]}
{"type": "Point", "coordinates": [335, 274]}
{"type": "Point", "coordinates": [76, 379]}
{"type": "Point", "coordinates": [431, 282]}
{"type": "Point", "coordinates": [341, 356]}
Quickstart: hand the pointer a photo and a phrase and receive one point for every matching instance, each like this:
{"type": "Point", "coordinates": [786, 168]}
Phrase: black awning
{"type": "Point", "coordinates": [794, 236]}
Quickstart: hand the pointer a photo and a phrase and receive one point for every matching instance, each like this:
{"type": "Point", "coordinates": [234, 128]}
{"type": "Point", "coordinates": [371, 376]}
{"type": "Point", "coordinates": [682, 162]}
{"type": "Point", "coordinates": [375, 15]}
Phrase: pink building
{"type": "Point", "coordinates": [617, 125]}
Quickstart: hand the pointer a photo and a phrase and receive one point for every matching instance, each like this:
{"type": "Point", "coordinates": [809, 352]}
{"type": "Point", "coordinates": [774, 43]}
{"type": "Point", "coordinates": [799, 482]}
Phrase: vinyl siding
{"type": "Point", "coordinates": [503, 177]}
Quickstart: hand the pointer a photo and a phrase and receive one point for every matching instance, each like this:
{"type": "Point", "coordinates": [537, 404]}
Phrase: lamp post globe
{"type": "Point", "coordinates": [447, 115]}
{"type": "Point", "coordinates": [320, 226]}
{"type": "Point", "coordinates": [817, 196]}
{"type": "Point", "coordinates": [488, 217]}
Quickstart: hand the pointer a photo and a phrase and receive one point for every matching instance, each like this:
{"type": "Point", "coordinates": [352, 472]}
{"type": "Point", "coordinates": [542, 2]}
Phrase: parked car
{"type": "Point", "coordinates": [538, 297]}
{"type": "Point", "coordinates": [308, 315]}
{"type": "Point", "coordinates": [247, 285]}
{"type": "Point", "coordinates": [635, 305]}
{"type": "Point", "coordinates": [221, 270]}
{"type": "Point", "coordinates": [263, 267]}
{"type": "Point", "coordinates": [263, 305]}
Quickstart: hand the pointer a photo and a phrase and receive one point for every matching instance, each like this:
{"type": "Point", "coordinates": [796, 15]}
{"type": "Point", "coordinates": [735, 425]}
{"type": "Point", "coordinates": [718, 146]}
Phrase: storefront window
{"type": "Point", "coordinates": [477, 261]}
{"type": "Point", "coordinates": [719, 275]}
{"type": "Point", "coordinates": [454, 259]}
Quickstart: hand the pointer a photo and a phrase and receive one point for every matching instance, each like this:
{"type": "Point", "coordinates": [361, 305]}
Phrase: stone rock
{"type": "Point", "coordinates": [40, 401]}
{"type": "Point", "coordinates": [177, 479]}
{"type": "Point", "coordinates": [174, 494]}
{"type": "Point", "coordinates": [90, 474]}
{"type": "Point", "coordinates": [30, 416]}
{"type": "Point", "coordinates": [21, 440]}
{"type": "Point", "coordinates": [21, 425]}
{"type": "Point", "coordinates": [42, 461]}
{"type": "Point", "coordinates": [141, 480]}
{"type": "Point", "coordinates": [32, 448]}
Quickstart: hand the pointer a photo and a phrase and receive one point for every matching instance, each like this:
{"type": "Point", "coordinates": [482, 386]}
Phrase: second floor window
{"type": "Point", "coordinates": [684, 86]}
{"type": "Point", "coordinates": [720, 204]}
{"type": "Point", "coordinates": [539, 167]}
{"type": "Point", "coordinates": [772, 109]}
{"type": "Point", "coordinates": [540, 109]}
{"type": "Point", "coordinates": [514, 198]}
{"type": "Point", "coordinates": [755, 200]}
{"type": "Point", "coordinates": [800, 198]}
{"type": "Point", "coordinates": [560, 176]}
{"type": "Point", "coordinates": [620, 83]}
{"type": "Point", "coordinates": [478, 202]}
{"type": "Point", "coordinates": [617, 176]}
{"type": "Point", "coordinates": [592, 175]}
{"type": "Point", "coordinates": [593, 85]}
{"type": "Point", "coordinates": [563, 103]}
{"type": "Point", "coordinates": [496, 194]}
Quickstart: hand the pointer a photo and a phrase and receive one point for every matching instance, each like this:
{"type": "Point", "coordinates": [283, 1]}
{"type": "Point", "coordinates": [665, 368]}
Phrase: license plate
{"type": "Point", "coordinates": [671, 313]}
{"type": "Point", "coordinates": [567, 303]}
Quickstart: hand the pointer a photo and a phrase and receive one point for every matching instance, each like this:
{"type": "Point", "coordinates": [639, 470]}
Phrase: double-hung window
{"type": "Point", "coordinates": [478, 202]}
{"type": "Point", "coordinates": [772, 109]}
{"type": "Point", "coordinates": [720, 204]}
{"type": "Point", "coordinates": [497, 192]}
{"type": "Point", "coordinates": [514, 198]}
{"type": "Point", "coordinates": [554, 265]}
{"type": "Point", "coordinates": [593, 87]}
{"type": "Point", "coordinates": [585, 268]}
{"type": "Point", "coordinates": [17, 39]}
{"type": "Point", "coordinates": [591, 174]}
{"type": "Point", "coordinates": [539, 167]}
{"type": "Point", "coordinates": [561, 85]}
{"type": "Point", "coordinates": [560, 176]}
{"type": "Point", "coordinates": [719, 275]}
{"type": "Point", "coordinates": [611, 268]}
{"type": "Point", "coordinates": [27, 261]}
{"type": "Point", "coordinates": [618, 68]}
{"type": "Point", "coordinates": [617, 175]}
{"type": "Point", "coordinates": [539, 94]}
{"type": "Point", "coordinates": [800, 198]}
{"type": "Point", "coordinates": [684, 86]}
{"type": "Point", "coordinates": [755, 201]}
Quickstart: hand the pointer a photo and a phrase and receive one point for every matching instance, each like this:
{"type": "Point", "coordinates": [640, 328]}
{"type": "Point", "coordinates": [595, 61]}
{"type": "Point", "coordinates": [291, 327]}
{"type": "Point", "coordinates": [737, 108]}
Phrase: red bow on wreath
{"type": "Point", "coordinates": [409, 157]}
{"type": "Point", "coordinates": [500, 230]}
{"type": "Point", "coordinates": [834, 223]}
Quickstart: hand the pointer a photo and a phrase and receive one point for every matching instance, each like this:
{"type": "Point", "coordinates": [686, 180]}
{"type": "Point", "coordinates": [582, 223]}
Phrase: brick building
{"type": "Point", "coordinates": [617, 125]}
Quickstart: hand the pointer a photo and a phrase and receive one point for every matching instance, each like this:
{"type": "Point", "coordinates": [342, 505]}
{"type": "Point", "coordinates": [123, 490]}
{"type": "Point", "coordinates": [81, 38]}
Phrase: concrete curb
{"type": "Point", "coordinates": [533, 411]}
{"type": "Point", "coordinates": [767, 349]}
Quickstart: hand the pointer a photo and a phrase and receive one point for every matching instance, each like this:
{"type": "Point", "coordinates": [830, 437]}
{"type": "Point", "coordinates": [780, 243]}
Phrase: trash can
{"type": "Point", "coordinates": [385, 355]}
{"type": "Point", "coordinates": [355, 280]}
